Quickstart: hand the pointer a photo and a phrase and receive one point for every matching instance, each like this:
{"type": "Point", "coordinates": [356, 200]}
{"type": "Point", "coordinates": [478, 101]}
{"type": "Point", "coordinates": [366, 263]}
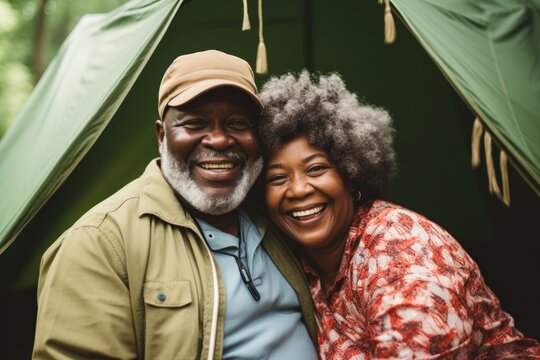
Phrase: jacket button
{"type": "Point", "coordinates": [162, 297]}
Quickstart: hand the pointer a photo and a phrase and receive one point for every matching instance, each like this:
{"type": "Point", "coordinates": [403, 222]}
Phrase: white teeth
{"type": "Point", "coordinates": [298, 214]}
{"type": "Point", "coordinates": [217, 166]}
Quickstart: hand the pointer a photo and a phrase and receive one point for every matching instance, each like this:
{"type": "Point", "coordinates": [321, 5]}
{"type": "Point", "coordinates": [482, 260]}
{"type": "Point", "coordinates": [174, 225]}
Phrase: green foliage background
{"type": "Point", "coordinates": [19, 31]}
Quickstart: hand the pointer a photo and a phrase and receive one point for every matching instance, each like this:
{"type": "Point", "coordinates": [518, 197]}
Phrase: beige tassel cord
{"type": "Point", "coordinates": [246, 25]}
{"type": "Point", "coordinates": [492, 177]}
{"type": "Point", "coordinates": [477, 132]}
{"type": "Point", "coordinates": [503, 160]}
{"type": "Point", "coordinates": [389, 25]}
{"type": "Point", "coordinates": [475, 142]}
{"type": "Point", "coordinates": [261, 66]}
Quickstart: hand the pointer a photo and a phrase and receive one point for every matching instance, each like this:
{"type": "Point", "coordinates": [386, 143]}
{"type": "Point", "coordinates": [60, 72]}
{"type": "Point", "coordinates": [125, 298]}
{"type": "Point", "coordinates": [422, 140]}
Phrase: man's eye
{"type": "Point", "coordinates": [239, 124]}
{"type": "Point", "coordinates": [194, 124]}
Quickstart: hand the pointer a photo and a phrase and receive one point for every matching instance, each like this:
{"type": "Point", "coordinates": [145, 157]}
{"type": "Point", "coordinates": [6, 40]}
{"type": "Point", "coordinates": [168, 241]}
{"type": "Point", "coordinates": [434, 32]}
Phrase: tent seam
{"type": "Point", "coordinates": [503, 84]}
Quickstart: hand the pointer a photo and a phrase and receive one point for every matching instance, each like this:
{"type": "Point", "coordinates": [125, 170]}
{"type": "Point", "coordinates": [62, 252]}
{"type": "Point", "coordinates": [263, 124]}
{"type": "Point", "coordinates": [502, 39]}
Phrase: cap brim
{"type": "Point", "coordinates": [205, 86]}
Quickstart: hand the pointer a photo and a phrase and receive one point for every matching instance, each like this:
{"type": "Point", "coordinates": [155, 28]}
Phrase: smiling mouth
{"type": "Point", "coordinates": [308, 213]}
{"type": "Point", "coordinates": [217, 166]}
{"type": "Point", "coordinates": [218, 171]}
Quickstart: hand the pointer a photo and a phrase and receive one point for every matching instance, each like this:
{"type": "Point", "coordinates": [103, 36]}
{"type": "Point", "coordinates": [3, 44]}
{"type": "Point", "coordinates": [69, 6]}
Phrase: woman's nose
{"type": "Point", "coordinates": [218, 139]}
{"type": "Point", "coordinates": [299, 188]}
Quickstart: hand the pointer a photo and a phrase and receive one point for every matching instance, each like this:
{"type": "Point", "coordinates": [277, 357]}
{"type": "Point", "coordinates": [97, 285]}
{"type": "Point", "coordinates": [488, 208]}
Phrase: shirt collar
{"type": "Point", "coordinates": [219, 240]}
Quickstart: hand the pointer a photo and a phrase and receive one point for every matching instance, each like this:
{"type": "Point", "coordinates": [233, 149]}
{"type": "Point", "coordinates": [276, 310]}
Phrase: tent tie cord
{"type": "Point", "coordinates": [493, 185]}
{"type": "Point", "coordinates": [477, 132]}
{"type": "Point", "coordinates": [261, 66]}
{"type": "Point", "coordinates": [389, 25]}
{"type": "Point", "coordinates": [503, 164]}
{"type": "Point", "coordinates": [246, 25]}
{"type": "Point", "coordinates": [490, 167]}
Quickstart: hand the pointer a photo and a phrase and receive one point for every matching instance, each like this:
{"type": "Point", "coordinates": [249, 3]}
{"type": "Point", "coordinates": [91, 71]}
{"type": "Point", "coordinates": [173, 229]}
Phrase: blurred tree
{"type": "Point", "coordinates": [31, 32]}
{"type": "Point", "coordinates": [15, 79]}
{"type": "Point", "coordinates": [40, 40]}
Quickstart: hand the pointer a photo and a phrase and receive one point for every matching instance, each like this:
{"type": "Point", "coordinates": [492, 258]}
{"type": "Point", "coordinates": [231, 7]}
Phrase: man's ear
{"type": "Point", "coordinates": [160, 131]}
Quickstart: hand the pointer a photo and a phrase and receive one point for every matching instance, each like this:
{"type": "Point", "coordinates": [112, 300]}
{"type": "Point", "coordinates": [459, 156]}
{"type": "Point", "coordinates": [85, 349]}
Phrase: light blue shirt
{"type": "Point", "coordinates": [271, 328]}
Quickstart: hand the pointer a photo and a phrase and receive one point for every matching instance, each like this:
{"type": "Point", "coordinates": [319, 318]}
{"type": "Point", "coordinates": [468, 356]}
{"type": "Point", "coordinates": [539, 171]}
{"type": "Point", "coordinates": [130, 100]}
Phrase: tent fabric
{"type": "Point", "coordinates": [73, 103]}
{"type": "Point", "coordinates": [490, 52]}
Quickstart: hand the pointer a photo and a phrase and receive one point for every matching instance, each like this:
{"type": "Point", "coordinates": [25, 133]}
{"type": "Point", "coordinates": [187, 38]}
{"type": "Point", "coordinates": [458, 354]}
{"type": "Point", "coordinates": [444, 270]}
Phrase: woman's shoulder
{"type": "Point", "coordinates": [398, 240]}
{"type": "Point", "coordinates": [388, 221]}
{"type": "Point", "coordinates": [382, 210]}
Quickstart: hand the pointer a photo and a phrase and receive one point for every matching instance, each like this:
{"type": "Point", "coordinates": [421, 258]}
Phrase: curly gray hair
{"type": "Point", "coordinates": [357, 137]}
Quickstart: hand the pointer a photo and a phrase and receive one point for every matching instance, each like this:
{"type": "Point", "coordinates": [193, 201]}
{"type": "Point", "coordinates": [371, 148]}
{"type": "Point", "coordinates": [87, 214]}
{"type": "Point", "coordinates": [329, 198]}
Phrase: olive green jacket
{"type": "Point", "coordinates": [133, 279]}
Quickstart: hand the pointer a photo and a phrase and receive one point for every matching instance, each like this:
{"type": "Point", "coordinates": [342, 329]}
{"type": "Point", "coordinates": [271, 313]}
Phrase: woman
{"type": "Point", "coordinates": [386, 282]}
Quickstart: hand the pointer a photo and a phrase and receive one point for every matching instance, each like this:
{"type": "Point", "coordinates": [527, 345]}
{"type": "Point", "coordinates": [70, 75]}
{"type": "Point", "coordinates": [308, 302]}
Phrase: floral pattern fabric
{"type": "Point", "coordinates": [407, 290]}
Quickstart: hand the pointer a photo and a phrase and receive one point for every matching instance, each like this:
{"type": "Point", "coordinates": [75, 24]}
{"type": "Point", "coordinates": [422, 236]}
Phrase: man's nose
{"type": "Point", "coordinates": [218, 139]}
{"type": "Point", "coordinates": [299, 188]}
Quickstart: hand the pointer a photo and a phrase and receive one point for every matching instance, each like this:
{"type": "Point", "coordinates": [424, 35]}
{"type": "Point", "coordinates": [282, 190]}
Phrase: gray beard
{"type": "Point", "coordinates": [179, 178]}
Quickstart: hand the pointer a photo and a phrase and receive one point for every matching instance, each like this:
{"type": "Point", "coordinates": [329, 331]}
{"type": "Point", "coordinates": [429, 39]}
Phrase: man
{"type": "Point", "coordinates": [172, 266]}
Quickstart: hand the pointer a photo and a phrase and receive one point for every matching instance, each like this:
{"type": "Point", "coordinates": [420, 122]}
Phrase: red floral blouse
{"type": "Point", "coordinates": [407, 290]}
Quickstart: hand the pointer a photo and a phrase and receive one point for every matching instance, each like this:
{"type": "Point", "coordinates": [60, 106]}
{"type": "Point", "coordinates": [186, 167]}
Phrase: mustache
{"type": "Point", "coordinates": [209, 154]}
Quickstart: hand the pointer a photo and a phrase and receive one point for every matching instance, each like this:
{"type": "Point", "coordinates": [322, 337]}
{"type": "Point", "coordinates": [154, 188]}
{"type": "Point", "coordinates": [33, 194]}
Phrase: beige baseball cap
{"type": "Point", "coordinates": [193, 74]}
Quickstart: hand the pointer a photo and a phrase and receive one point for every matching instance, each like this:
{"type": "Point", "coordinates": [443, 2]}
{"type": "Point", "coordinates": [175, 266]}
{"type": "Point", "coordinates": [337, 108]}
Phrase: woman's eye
{"type": "Point", "coordinates": [317, 169]}
{"type": "Point", "coordinates": [277, 179]}
{"type": "Point", "coordinates": [239, 124]}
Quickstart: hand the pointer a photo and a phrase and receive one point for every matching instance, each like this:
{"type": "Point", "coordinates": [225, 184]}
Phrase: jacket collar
{"type": "Point", "coordinates": [158, 198]}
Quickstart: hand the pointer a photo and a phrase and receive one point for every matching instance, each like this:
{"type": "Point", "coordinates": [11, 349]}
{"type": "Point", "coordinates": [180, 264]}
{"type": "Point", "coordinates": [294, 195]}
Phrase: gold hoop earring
{"type": "Point", "coordinates": [356, 195]}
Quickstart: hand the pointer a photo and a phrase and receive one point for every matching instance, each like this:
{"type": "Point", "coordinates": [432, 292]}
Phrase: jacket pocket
{"type": "Point", "coordinates": [171, 320]}
{"type": "Point", "coordinates": [167, 294]}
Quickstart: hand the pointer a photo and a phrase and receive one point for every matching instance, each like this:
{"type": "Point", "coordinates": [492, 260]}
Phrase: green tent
{"type": "Point", "coordinates": [88, 127]}
{"type": "Point", "coordinates": [489, 52]}
{"type": "Point", "coordinates": [73, 103]}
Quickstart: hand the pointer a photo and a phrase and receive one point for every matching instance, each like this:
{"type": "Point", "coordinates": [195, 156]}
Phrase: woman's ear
{"type": "Point", "coordinates": [356, 195]}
